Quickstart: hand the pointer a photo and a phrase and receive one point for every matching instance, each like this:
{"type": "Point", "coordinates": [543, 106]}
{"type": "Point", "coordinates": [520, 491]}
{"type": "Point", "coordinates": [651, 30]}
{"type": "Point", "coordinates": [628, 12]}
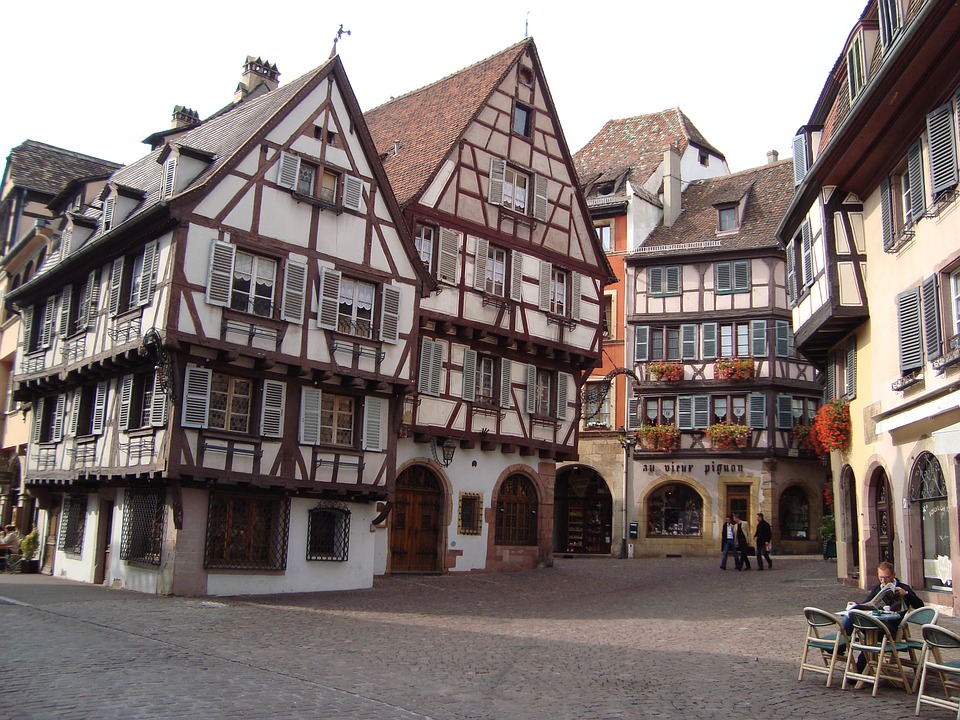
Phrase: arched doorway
{"type": "Point", "coordinates": [851, 518]}
{"type": "Point", "coordinates": [415, 522]}
{"type": "Point", "coordinates": [583, 512]}
{"type": "Point", "coordinates": [883, 517]}
{"type": "Point", "coordinates": [928, 489]}
{"type": "Point", "coordinates": [795, 514]}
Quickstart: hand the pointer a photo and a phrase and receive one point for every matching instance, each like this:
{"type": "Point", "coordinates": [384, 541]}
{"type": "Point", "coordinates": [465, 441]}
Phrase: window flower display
{"type": "Point", "coordinates": [666, 371]}
{"type": "Point", "coordinates": [727, 436]}
{"type": "Point", "coordinates": [662, 438]}
{"type": "Point", "coordinates": [734, 368]}
{"type": "Point", "coordinates": [831, 427]}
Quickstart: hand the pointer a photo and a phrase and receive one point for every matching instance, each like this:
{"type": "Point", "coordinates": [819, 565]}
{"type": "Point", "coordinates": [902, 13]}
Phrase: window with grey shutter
{"type": "Point", "coordinates": [540, 198]}
{"type": "Point", "coordinates": [66, 295]}
{"type": "Point", "coordinates": [59, 413]}
{"type": "Point", "coordinates": [723, 275]}
{"type": "Point", "coordinates": [498, 168]}
{"type": "Point", "coordinates": [792, 272]}
{"type": "Point", "coordinates": [908, 320]}
{"type": "Point", "coordinates": [158, 401]}
{"type": "Point", "coordinates": [49, 315]}
{"type": "Point", "coordinates": [196, 397]}
{"type": "Point", "coordinates": [38, 408]}
{"type": "Point", "coordinates": [374, 413]}
{"type": "Point", "coordinates": [634, 420]}
{"type": "Point", "coordinates": [655, 281]}
{"type": "Point", "coordinates": [106, 219]}
{"type": "Point", "coordinates": [685, 412]}
{"type": "Point", "coordinates": [116, 284]}
{"type": "Point", "coordinates": [448, 259]}
{"type": "Point", "coordinates": [168, 177]}
{"type": "Point", "coordinates": [709, 332]}
{"type": "Point", "coordinates": [741, 276]}
{"type": "Point", "coordinates": [480, 260]}
{"type": "Point", "coordinates": [271, 408]}
{"type": "Point", "coordinates": [672, 280]}
{"type": "Point", "coordinates": [329, 299]}
{"type": "Point", "coordinates": [563, 390]}
{"type": "Point", "coordinates": [830, 391]}
{"type": "Point", "coordinates": [783, 338]}
{"type": "Point", "coordinates": [943, 149]}
{"type": "Point", "coordinates": [516, 275]}
{"type": "Point", "coordinates": [390, 314]}
{"type": "Point", "coordinates": [757, 413]}
{"type": "Point", "coordinates": [309, 433]}
{"type": "Point", "coordinates": [546, 275]}
{"type": "Point", "coordinates": [294, 291]}
{"type": "Point", "coordinates": [575, 281]}
{"type": "Point", "coordinates": [918, 195]}
{"type": "Point", "coordinates": [431, 366]}
{"type": "Point", "coordinates": [126, 395]}
{"type": "Point", "coordinates": [99, 409]}
{"type": "Point", "coordinates": [784, 412]}
{"type": "Point", "coordinates": [688, 342]}
{"type": "Point", "coordinates": [758, 338]}
{"type": "Point", "coordinates": [26, 328]}
{"type": "Point", "coordinates": [641, 343]}
{"type": "Point", "coordinates": [806, 239]}
{"type": "Point", "coordinates": [469, 390]}
{"type": "Point", "coordinates": [220, 272]}
{"type": "Point", "coordinates": [531, 395]}
{"type": "Point", "coordinates": [352, 192]}
{"type": "Point", "coordinates": [799, 158]}
{"type": "Point", "coordinates": [288, 170]}
{"type": "Point", "coordinates": [506, 380]}
{"type": "Point", "coordinates": [932, 338]}
{"type": "Point", "coordinates": [701, 411]}
{"type": "Point", "coordinates": [886, 213]}
{"type": "Point", "coordinates": [850, 370]}
{"type": "Point", "coordinates": [148, 272]}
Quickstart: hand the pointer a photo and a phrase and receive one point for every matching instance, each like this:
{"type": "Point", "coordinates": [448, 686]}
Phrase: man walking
{"type": "Point", "coordinates": [742, 554]}
{"type": "Point", "coordinates": [762, 537]}
{"type": "Point", "coordinates": [728, 542]}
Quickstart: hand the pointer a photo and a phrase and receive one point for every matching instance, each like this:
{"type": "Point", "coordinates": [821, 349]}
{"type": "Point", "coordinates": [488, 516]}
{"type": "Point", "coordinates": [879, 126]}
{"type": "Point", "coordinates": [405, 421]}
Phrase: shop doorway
{"type": "Point", "coordinates": [883, 517]}
{"type": "Point", "coordinates": [583, 512]}
{"type": "Point", "coordinates": [415, 522]}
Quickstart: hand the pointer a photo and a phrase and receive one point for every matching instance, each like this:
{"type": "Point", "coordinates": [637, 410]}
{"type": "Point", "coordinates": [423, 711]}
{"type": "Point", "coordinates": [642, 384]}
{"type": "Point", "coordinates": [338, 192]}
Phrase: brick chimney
{"type": "Point", "coordinates": [772, 157]}
{"type": "Point", "coordinates": [259, 76]}
{"type": "Point", "coordinates": [184, 117]}
{"type": "Point", "coordinates": [671, 186]}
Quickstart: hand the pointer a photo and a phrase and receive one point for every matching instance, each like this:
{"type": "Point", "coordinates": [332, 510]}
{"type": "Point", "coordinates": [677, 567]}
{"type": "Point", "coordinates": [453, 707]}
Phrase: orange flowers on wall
{"type": "Point", "coordinates": [831, 427]}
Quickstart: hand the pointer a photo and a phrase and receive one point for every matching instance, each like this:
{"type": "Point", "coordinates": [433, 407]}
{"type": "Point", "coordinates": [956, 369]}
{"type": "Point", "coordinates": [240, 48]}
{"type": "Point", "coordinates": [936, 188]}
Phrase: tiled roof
{"type": "Point", "coordinates": [47, 169]}
{"type": "Point", "coordinates": [428, 122]}
{"type": "Point", "coordinates": [769, 189]}
{"type": "Point", "coordinates": [638, 143]}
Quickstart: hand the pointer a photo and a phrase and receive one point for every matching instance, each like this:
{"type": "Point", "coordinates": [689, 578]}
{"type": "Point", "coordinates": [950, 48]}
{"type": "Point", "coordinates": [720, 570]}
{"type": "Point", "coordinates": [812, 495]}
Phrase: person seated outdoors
{"type": "Point", "coordinates": [10, 539]}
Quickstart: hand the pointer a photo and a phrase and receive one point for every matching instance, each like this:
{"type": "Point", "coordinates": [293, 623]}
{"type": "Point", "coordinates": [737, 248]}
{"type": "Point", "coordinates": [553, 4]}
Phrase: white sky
{"type": "Point", "coordinates": [100, 79]}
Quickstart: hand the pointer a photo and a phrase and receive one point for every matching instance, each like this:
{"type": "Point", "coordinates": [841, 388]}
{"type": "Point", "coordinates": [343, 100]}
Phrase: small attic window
{"type": "Point", "coordinates": [727, 219]}
{"type": "Point", "coordinates": [526, 75]}
{"type": "Point", "coordinates": [703, 158]}
{"type": "Point", "coordinates": [605, 189]}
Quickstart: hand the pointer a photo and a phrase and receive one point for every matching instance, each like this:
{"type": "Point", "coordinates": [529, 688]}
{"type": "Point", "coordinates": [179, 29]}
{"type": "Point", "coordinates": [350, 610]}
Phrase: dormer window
{"type": "Point", "coordinates": [106, 220]}
{"type": "Point", "coordinates": [77, 202]}
{"type": "Point", "coordinates": [332, 188]}
{"type": "Point", "coordinates": [727, 219]}
{"type": "Point", "coordinates": [168, 178]}
{"type": "Point", "coordinates": [703, 158]}
{"type": "Point", "coordinates": [889, 11]}
{"type": "Point", "coordinates": [856, 74]}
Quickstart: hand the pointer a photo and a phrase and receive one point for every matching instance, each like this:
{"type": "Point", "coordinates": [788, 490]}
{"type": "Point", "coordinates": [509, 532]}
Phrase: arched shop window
{"type": "Point", "coordinates": [795, 514]}
{"type": "Point", "coordinates": [675, 509]}
{"type": "Point", "coordinates": [516, 512]}
{"type": "Point", "coordinates": [928, 488]}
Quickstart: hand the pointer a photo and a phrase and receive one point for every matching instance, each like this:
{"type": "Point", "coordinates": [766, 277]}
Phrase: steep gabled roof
{"type": "Point", "coordinates": [427, 123]}
{"type": "Point", "coordinates": [47, 169]}
{"type": "Point", "coordinates": [768, 190]}
{"type": "Point", "coordinates": [638, 143]}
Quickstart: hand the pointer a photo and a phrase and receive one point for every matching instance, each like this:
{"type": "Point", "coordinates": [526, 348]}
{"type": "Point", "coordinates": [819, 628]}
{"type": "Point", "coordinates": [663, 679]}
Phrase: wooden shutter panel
{"type": "Point", "coordinates": [329, 299]}
{"type": "Point", "coordinates": [271, 409]}
{"type": "Point", "coordinates": [449, 256]}
{"type": "Point", "coordinates": [309, 416]}
{"type": "Point", "coordinates": [576, 280]}
{"type": "Point", "coordinates": [88, 312]}
{"type": "Point", "coordinates": [390, 314]}
{"type": "Point", "coordinates": [831, 389]}
{"type": "Point", "coordinates": [918, 195]}
{"type": "Point", "coordinates": [688, 341]}
{"type": "Point", "coordinates": [480, 260]}
{"type": "Point", "coordinates": [196, 397]}
{"type": "Point", "coordinates": [107, 217]}
{"type": "Point", "coordinates": [784, 412]}
{"type": "Point", "coordinates": [288, 171]}
{"type": "Point", "coordinates": [701, 411]}
{"type": "Point", "coordinates": [709, 331]}
{"type": "Point", "coordinates": [531, 389]}
{"type": "Point", "coordinates": [26, 327]}
{"type": "Point", "coordinates": [634, 420]}
{"type": "Point", "coordinates": [806, 235]}
{"type": "Point", "coordinates": [169, 174]}
{"type": "Point", "coordinates": [126, 393]}
{"type": "Point", "coordinates": [220, 273]}
{"type": "Point", "coordinates": [933, 340]}
{"type": "Point", "coordinates": [158, 402]}
{"type": "Point", "coordinates": [352, 192]}
{"type": "Point", "coordinates": [431, 366]}
{"type": "Point", "coordinates": [56, 432]}
{"type": "Point", "coordinates": [546, 275]}
{"type": "Point", "coordinates": [66, 242]}
{"type": "Point", "coordinates": [49, 313]}
{"type": "Point", "coordinates": [723, 277]}
{"type": "Point", "coordinates": [685, 412]}
{"type": "Point", "coordinates": [38, 419]}
{"type": "Point", "coordinates": [374, 412]}
{"type": "Point", "coordinates": [850, 369]}
{"type": "Point", "coordinates": [99, 409]}
{"type": "Point", "coordinates": [506, 383]}
{"type": "Point", "coordinates": [758, 338]}
{"type": "Point", "coordinates": [908, 317]}
{"type": "Point", "coordinates": [66, 295]}
{"type": "Point", "coordinates": [116, 283]}
{"type": "Point", "coordinates": [741, 275]}
{"type": "Point", "coordinates": [672, 275]}
{"type": "Point", "coordinates": [641, 343]}
{"type": "Point", "coordinates": [294, 291]}
{"type": "Point", "coordinates": [799, 158]}
{"type": "Point", "coordinates": [791, 272]}
{"type": "Point", "coordinates": [655, 281]}
{"type": "Point", "coordinates": [563, 389]}
{"type": "Point", "coordinates": [540, 198]}
{"type": "Point", "coordinates": [943, 149]}
{"type": "Point", "coordinates": [498, 168]}
{"type": "Point", "coordinates": [757, 410]}
{"type": "Point", "coordinates": [886, 213]}
{"type": "Point", "coordinates": [147, 273]}
{"type": "Point", "coordinates": [76, 399]}
{"type": "Point", "coordinates": [469, 390]}
{"type": "Point", "coordinates": [783, 338]}
{"type": "Point", "coordinates": [516, 275]}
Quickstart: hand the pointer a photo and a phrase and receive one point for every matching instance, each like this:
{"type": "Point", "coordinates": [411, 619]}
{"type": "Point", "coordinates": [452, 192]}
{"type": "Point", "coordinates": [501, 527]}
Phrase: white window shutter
{"type": "Point", "coordinates": [309, 416]}
{"type": "Point", "coordinates": [723, 277]}
{"type": "Point", "coordinates": [480, 259]}
{"type": "Point", "coordinates": [288, 170]}
{"type": "Point", "coordinates": [158, 402]}
{"type": "Point", "coordinates": [167, 180]}
{"type": "Point", "coordinates": [498, 168]}
{"type": "Point", "coordinates": [850, 369]}
{"type": "Point", "coordinates": [26, 327]}
{"type": "Point", "coordinates": [469, 390]}
{"type": "Point", "coordinates": [563, 390]}
{"type": "Point", "coordinates": [116, 283]}
{"type": "Point", "coordinates": [66, 296]}
{"type": "Point", "coordinates": [641, 343]}
{"type": "Point", "coordinates": [688, 341]}
{"type": "Point", "coordinates": [758, 338]}
{"type": "Point", "coordinates": [449, 256]}
{"type": "Point", "coordinates": [943, 149]}
{"type": "Point", "coordinates": [220, 273]}
{"type": "Point", "coordinates": [806, 240]}
{"type": "Point", "coordinates": [546, 275]}
{"type": "Point", "coordinates": [271, 409]}
{"type": "Point", "coordinates": [506, 381]}
{"type": "Point", "coordinates": [655, 281]}
{"type": "Point", "coordinates": [531, 389]}
{"type": "Point", "coordinates": [75, 411]}
{"type": "Point", "coordinates": [329, 298]}
{"type": "Point", "coordinates": [540, 198]}
{"type": "Point", "coordinates": [886, 213]}
{"type": "Point", "coordinates": [634, 420]}
{"type": "Point", "coordinates": [516, 275]}
{"type": "Point", "coordinates": [196, 397]}
{"type": "Point", "coordinates": [390, 314]}
{"type": "Point", "coordinates": [791, 272]}
{"type": "Point", "coordinates": [911, 342]}
{"type": "Point", "coordinates": [374, 413]}
{"type": "Point", "coordinates": [431, 366]}
{"type": "Point", "coordinates": [49, 313]}
{"type": "Point", "coordinates": [88, 313]}
{"type": "Point", "coordinates": [352, 192]}
{"type": "Point", "coordinates": [37, 419]}
{"type": "Point", "coordinates": [106, 220]}
{"type": "Point", "coordinates": [799, 158]}
{"type": "Point", "coordinates": [757, 412]}
{"type": "Point", "coordinates": [294, 291]}
{"type": "Point", "coordinates": [148, 273]}
{"type": "Point", "coordinates": [99, 409]}
{"type": "Point", "coordinates": [58, 417]}
{"type": "Point", "coordinates": [672, 277]}
{"type": "Point", "coordinates": [126, 394]}
{"type": "Point", "coordinates": [918, 194]}
{"type": "Point", "coordinates": [575, 282]}
{"type": "Point", "coordinates": [66, 242]}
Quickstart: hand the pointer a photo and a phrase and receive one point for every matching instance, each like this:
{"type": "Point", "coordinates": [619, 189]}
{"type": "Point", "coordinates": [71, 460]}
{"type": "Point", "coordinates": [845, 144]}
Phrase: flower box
{"type": "Point", "coordinates": [728, 436]}
{"type": "Point", "coordinates": [734, 369]}
{"type": "Point", "coordinates": [660, 438]}
{"type": "Point", "coordinates": [831, 427]}
{"type": "Point", "coordinates": [666, 371]}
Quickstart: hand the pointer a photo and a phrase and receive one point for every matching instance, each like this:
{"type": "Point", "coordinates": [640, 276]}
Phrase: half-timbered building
{"type": "Point", "coordinates": [481, 169]}
{"type": "Point", "coordinates": [217, 355]}
{"type": "Point", "coordinates": [722, 399]}
{"type": "Point", "coordinates": [874, 281]}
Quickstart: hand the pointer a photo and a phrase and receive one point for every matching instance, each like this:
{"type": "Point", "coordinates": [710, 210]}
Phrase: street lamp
{"type": "Point", "coordinates": [447, 448]}
{"type": "Point", "coordinates": [626, 442]}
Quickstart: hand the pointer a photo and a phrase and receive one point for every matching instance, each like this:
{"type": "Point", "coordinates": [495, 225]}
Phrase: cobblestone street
{"type": "Point", "coordinates": [588, 638]}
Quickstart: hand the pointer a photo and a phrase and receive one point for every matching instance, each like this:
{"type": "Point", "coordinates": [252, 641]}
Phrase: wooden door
{"type": "Point", "coordinates": [883, 518]}
{"type": "Point", "coordinates": [101, 572]}
{"type": "Point", "coordinates": [415, 523]}
{"type": "Point", "coordinates": [50, 540]}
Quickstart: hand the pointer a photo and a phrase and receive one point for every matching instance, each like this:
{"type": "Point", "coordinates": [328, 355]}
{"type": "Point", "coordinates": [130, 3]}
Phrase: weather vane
{"type": "Point", "coordinates": [340, 33]}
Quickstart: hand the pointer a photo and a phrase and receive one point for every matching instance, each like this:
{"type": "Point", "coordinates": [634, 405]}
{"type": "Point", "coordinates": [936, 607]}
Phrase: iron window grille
{"type": "Point", "coordinates": [144, 514]}
{"type": "Point", "coordinates": [246, 532]}
{"type": "Point", "coordinates": [72, 525]}
{"type": "Point", "coordinates": [328, 532]}
{"type": "Point", "coordinates": [516, 512]}
{"type": "Point", "coordinates": [471, 513]}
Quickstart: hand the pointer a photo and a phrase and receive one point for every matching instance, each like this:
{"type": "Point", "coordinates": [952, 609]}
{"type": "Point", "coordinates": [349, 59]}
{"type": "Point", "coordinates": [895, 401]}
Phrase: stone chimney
{"type": "Point", "coordinates": [671, 186]}
{"type": "Point", "coordinates": [184, 117]}
{"type": "Point", "coordinates": [772, 157]}
{"type": "Point", "coordinates": [259, 76]}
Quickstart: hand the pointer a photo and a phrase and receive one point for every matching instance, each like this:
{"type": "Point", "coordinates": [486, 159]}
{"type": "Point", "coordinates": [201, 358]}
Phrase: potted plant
{"type": "Point", "coordinates": [801, 438]}
{"type": "Point", "coordinates": [666, 371]}
{"type": "Point", "coordinates": [28, 550]}
{"type": "Point", "coordinates": [662, 438]}
{"type": "Point", "coordinates": [734, 368]}
{"type": "Point", "coordinates": [831, 427]}
{"type": "Point", "coordinates": [726, 436]}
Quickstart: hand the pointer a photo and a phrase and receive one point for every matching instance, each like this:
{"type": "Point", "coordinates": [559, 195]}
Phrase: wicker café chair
{"type": "Point", "coordinates": [872, 638]}
{"type": "Point", "coordinates": [826, 639]}
{"type": "Point", "coordinates": [938, 641]}
{"type": "Point", "coordinates": [909, 633]}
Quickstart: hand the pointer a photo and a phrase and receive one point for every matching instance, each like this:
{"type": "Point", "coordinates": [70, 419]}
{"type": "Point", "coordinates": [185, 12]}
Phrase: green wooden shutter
{"type": "Point", "coordinates": [908, 319]}
{"type": "Point", "coordinates": [943, 149]}
{"type": "Point", "coordinates": [933, 339]}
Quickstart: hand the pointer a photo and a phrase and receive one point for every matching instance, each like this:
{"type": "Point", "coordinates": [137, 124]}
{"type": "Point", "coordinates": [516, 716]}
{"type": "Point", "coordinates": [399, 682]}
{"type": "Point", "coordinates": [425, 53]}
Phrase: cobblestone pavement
{"type": "Point", "coordinates": [588, 639]}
